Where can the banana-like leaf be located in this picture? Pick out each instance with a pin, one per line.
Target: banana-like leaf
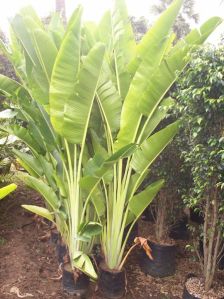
(135, 182)
(109, 100)
(152, 147)
(139, 202)
(48, 171)
(83, 263)
(98, 148)
(30, 163)
(56, 29)
(46, 191)
(11, 87)
(154, 42)
(124, 45)
(29, 11)
(77, 109)
(43, 212)
(146, 92)
(23, 35)
(24, 135)
(98, 201)
(157, 117)
(104, 30)
(151, 51)
(65, 71)
(46, 51)
(97, 167)
(40, 53)
(90, 229)
(4, 191)
(165, 75)
(35, 112)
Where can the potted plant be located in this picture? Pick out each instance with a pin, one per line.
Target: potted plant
(169, 220)
(52, 103)
(132, 86)
(201, 101)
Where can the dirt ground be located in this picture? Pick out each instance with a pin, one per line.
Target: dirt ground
(29, 268)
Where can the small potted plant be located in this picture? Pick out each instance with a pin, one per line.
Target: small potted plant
(168, 212)
(201, 101)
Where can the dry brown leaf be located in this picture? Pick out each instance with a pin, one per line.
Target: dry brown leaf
(144, 244)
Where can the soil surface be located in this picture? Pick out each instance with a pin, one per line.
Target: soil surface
(29, 267)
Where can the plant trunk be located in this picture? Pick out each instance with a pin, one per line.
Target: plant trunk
(211, 239)
(161, 213)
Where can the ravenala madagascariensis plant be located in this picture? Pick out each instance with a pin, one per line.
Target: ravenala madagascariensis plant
(131, 99)
(53, 100)
(88, 102)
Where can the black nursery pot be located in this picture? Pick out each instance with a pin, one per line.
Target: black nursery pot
(179, 230)
(61, 252)
(163, 263)
(196, 217)
(186, 294)
(72, 287)
(111, 283)
(54, 236)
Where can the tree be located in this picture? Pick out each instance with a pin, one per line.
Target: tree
(201, 102)
(182, 23)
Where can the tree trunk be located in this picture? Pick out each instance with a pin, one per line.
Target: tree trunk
(212, 236)
(161, 215)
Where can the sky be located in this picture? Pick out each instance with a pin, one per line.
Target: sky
(93, 9)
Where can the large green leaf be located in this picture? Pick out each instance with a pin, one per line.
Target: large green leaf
(139, 202)
(97, 199)
(165, 75)
(36, 64)
(83, 263)
(66, 68)
(56, 29)
(152, 147)
(22, 33)
(30, 163)
(154, 42)
(97, 167)
(90, 229)
(147, 91)
(30, 109)
(109, 100)
(159, 114)
(46, 51)
(11, 87)
(77, 108)
(4, 191)
(104, 30)
(124, 46)
(43, 212)
(24, 135)
(46, 191)
(29, 11)
(150, 54)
